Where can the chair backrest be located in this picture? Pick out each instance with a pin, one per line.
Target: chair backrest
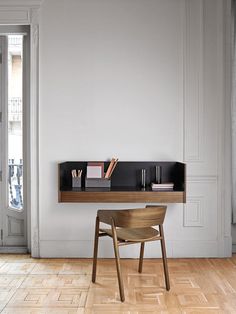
(134, 218)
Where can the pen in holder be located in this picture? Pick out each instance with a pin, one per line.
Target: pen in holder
(158, 173)
(76, 179)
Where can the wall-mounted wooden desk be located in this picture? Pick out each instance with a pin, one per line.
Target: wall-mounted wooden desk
(125, 184)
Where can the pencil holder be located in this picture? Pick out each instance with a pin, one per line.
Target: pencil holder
(76, 182)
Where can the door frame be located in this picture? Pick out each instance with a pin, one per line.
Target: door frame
(26, 12)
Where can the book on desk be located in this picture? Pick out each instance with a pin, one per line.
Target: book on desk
(162, 186)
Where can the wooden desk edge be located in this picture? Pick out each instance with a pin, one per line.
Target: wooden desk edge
(121, 197)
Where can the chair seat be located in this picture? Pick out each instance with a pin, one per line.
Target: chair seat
(134, 234)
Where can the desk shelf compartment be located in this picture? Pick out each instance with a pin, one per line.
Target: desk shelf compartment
(125, 183)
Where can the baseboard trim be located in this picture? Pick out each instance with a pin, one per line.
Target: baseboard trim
(234, 248)
(175, 249)
(13, 249)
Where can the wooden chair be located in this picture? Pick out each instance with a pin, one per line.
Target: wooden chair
(131, 226)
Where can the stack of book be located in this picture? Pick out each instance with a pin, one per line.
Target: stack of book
(163, 186)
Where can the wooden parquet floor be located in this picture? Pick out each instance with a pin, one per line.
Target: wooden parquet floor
(63, 286)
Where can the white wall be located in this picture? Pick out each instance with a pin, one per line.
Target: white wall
(141, 80)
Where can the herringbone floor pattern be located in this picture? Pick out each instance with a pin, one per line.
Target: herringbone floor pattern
(63, 286)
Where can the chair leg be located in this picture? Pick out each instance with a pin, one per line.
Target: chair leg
(140, 266)
(95, 252)
(164, 259)
(117, 256)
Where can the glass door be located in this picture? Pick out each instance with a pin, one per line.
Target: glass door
(12, 207)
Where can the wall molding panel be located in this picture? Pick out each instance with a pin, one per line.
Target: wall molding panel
(193, 92)
(21, 3)
(201, 179)
(18, 12)
(20, 16)
(15, 226)
(200, 216)
(193, 212)
(206, 104)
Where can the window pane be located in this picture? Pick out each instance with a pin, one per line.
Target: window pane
(15, 120)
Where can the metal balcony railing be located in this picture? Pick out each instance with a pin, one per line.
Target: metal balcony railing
(15, 181)
(15, 109)
(15, 40)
